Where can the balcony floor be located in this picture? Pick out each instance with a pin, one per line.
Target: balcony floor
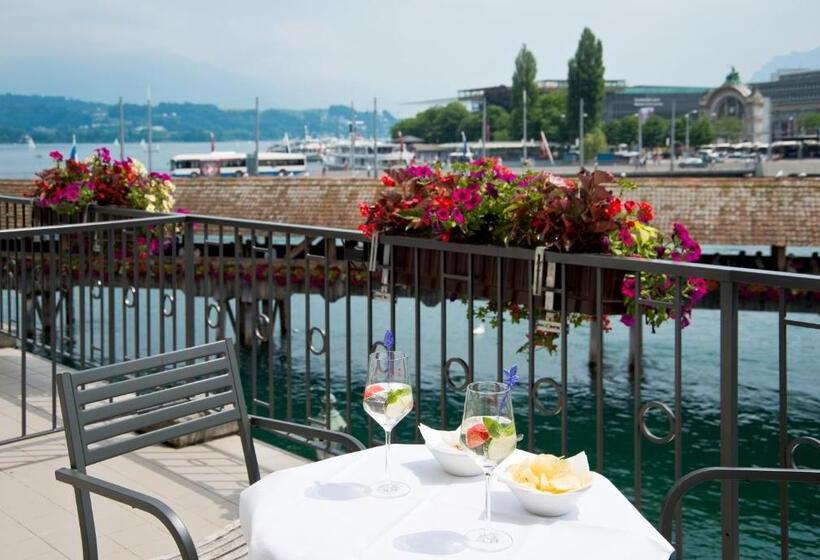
(38, 516)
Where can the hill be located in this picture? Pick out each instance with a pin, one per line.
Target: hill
(807, 60)
(55, 119)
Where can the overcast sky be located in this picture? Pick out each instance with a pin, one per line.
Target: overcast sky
(301, 53)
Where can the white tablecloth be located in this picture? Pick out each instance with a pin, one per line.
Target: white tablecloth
(322, 510)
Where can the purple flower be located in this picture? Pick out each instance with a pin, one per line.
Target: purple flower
(443, 214)
(161, 176)
(492, 192)
(105, 154)
(511, 376)
(511, 379)
(604, 243)
(389, 340)
(627, 319)
(56, 155)
(458, 216)
(660, 251)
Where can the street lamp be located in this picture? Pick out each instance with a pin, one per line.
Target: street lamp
(581, 117)
(695, 112)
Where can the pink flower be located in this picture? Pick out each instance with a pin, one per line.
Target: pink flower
(628, 287)
(443, 214)
(627, 319)
(56, 155)
(473, 201)
(461, 195)
(626, 237)
(458, 216)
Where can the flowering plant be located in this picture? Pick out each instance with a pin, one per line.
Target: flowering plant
(70, 186)
(484, 202)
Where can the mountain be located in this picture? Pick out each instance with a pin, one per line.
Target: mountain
(56, 119)
(807, 60)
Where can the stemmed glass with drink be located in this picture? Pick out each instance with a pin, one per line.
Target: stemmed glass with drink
(488, 434)
(388, 397)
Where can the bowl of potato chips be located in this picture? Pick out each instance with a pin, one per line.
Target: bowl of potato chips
(547, 485)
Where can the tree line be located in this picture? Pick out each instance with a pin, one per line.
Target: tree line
(556, 112)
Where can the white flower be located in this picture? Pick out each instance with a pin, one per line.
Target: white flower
(151, 208)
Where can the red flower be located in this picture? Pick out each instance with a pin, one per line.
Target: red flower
(388, 181)
(646, 213)
(630, 206)
(364, 209)
(614, 207)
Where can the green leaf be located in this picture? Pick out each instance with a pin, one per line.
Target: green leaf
(497, 429)
(396, 394)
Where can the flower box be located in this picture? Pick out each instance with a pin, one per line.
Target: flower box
(483, 202)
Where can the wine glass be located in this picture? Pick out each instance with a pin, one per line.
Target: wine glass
(488, 434)
(388, 398)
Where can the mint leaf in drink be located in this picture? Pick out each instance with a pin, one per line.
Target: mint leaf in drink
(498, 429)
(395, 394)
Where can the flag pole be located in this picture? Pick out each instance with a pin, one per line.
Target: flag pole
(122, 131)
(150, 136)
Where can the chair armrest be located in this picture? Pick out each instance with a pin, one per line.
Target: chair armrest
(694, 478)
(349, 442)
(138, 500)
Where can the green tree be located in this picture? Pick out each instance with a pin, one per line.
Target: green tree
(729, 129)
(548, 115)
(585, 78)
(655, 132)
(594, 144)
(499, 121)
(437, 124)
(523, 80)
(701, 132)
(809, 123)
(623, 130)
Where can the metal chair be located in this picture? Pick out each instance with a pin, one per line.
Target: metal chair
(107, 410)
(708, 474)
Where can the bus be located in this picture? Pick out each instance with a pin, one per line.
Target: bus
(212, 164)
(282, 164)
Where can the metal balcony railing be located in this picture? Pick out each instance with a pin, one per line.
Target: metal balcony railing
(305, 305)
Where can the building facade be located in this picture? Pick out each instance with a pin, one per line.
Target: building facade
(793, 94)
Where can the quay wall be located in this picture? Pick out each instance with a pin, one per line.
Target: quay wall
(731, 211)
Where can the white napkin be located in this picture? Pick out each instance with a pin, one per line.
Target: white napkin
(446, 441)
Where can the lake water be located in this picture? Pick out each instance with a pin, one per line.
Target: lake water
(758, 391)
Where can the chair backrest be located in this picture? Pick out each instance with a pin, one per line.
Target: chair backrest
(112, 410)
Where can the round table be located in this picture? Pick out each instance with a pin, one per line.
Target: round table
(324, 510)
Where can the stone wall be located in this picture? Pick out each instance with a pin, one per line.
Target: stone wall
(747, 211)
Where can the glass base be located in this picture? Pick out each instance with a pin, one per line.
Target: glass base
(488, 540)
(389, 489)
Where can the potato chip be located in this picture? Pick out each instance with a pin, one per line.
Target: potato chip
(548, 473)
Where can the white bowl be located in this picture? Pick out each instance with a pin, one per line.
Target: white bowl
(455, 461)
(545, 504)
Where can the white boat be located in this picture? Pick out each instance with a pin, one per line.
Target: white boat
(388, 154)
(144, 146)
(30, 142)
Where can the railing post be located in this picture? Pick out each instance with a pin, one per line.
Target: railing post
(728, 417)
(189, 283)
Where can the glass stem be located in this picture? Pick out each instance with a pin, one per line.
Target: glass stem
(487, 514)
(387, 455)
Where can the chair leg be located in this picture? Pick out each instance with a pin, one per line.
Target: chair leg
(87, 531)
